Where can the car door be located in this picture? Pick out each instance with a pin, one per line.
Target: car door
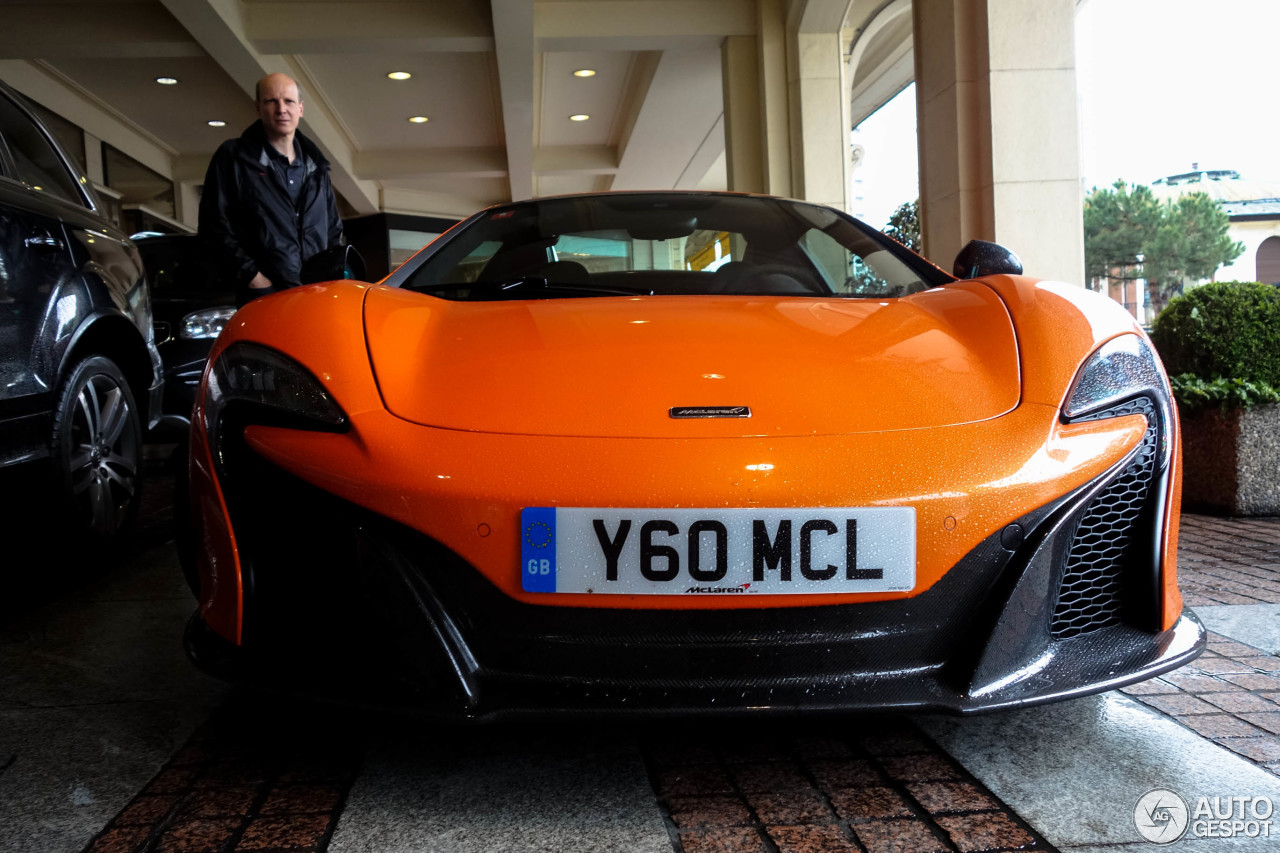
(34, 260)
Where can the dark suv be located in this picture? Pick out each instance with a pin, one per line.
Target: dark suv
(80, 377)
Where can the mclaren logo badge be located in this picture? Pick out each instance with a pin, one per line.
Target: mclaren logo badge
(710, 411)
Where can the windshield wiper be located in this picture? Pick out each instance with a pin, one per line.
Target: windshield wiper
(534, 286)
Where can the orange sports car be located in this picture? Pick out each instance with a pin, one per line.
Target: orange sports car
(647, 453)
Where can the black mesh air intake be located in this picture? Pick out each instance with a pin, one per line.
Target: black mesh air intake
(1092, 593)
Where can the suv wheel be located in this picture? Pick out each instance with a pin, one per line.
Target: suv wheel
(97, 448)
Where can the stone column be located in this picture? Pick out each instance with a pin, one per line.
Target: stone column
(999, 158)
(756, 115)
(819, 131)
(771, 29)
(743, 125)
(93, 158)
(786, 120)
(186, 202)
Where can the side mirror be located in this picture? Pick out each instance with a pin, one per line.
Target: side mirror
(332, 264)
(980, 257)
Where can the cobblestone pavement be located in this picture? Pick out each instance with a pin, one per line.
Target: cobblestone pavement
(1229, 560)
(1231, 694)
(887, 789)
(250, 778)
(256, 778)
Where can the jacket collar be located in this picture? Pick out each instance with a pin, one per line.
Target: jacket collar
(254, 143)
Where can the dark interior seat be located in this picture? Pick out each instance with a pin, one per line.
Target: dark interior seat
(724, 279)
(565, 272)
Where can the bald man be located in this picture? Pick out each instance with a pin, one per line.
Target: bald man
(267, 203)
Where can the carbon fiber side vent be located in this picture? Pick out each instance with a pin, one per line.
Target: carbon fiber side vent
(1091, 595)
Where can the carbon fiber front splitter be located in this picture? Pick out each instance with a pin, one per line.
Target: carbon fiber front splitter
(1081, 666)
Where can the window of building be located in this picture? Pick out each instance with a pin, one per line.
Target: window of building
(405, 243)
(1269, 260)
(142, 190)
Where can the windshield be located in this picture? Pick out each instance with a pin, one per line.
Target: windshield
(628, 244)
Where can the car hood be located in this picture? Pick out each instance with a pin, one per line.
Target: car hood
(616, 366)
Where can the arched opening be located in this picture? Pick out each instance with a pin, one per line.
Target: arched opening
(1269, 260)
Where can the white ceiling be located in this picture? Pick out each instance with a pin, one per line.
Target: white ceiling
(494, 77)
(498, 99)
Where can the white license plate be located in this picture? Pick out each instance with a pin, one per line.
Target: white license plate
(718, 551)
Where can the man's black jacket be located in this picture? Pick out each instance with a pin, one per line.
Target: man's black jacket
(247, 220)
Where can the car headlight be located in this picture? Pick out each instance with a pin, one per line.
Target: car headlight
(1121, 368)
(207, 323)
(262, 386)
(1124, 369)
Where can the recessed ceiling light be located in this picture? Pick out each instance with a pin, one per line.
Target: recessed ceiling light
(167, 81)
(579, 117)
(399, 75)
(419, 119)
(217, 122)
(585, 72)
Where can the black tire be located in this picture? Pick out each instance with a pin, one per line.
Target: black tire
(97, 453)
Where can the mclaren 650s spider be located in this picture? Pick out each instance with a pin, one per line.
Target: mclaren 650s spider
(685, 453)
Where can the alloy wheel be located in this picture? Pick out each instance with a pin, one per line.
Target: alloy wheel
(101, 449)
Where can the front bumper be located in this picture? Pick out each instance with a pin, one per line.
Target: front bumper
(359, 609)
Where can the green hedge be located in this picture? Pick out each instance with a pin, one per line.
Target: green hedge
(1196, 393)
(1221, 342)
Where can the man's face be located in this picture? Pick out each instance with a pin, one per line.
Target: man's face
(279, 107)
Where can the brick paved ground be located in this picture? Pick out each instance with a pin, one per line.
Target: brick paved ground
(1229, 560)
(1231, 694)
(888, 789)
(244, 781)
(248, 781)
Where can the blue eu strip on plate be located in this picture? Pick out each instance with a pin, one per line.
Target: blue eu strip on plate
(538, 549)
